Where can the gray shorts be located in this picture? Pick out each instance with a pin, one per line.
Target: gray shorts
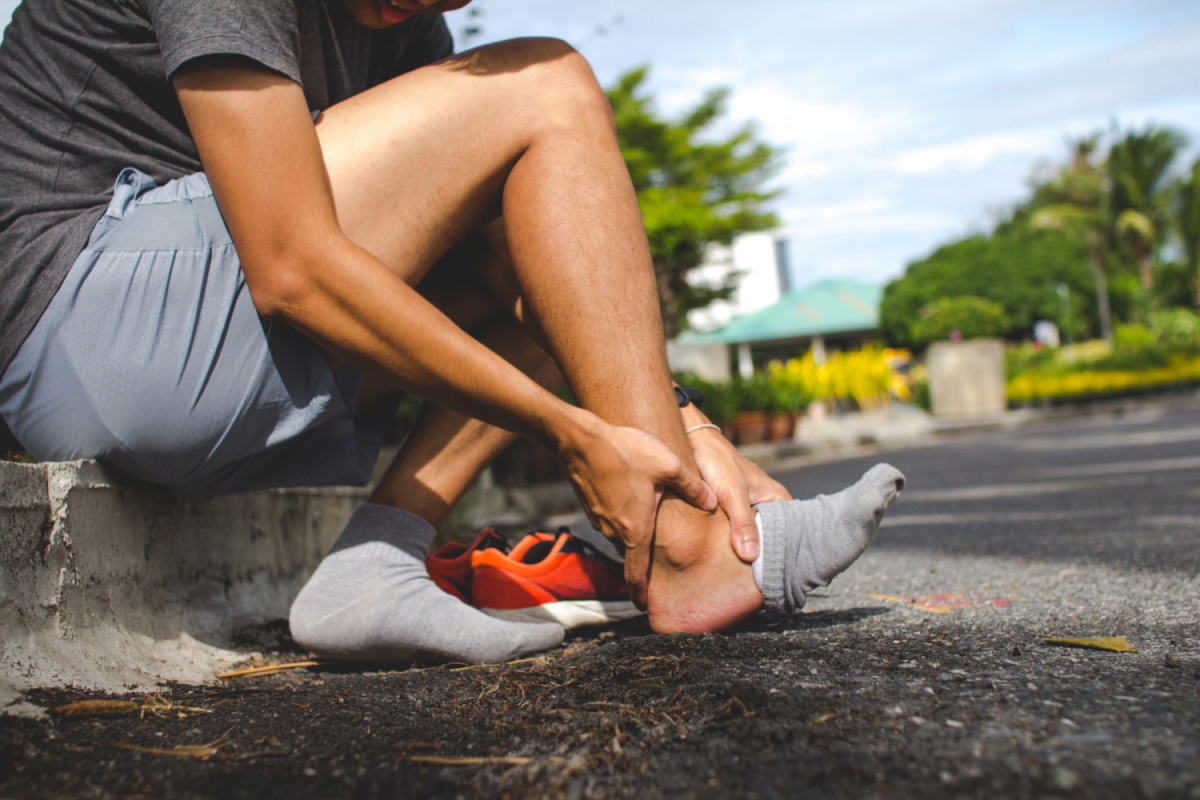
(152, 358)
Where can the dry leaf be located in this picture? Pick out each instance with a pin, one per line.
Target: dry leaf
(464, 761)
(267, 670)
(98, 708)
(1116, 644)
(200, 752)
(823, 718)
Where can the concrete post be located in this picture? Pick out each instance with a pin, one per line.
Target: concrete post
(966, 379)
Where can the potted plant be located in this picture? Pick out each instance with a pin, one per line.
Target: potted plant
(753, 402)
(721, 406)
(790, 393)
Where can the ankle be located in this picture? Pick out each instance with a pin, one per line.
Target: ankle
(685, 536)
(698, 584)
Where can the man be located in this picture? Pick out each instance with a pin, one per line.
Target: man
(316, 207)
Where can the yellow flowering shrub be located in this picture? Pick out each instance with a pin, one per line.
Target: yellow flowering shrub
(1032, 386)
(865, 376)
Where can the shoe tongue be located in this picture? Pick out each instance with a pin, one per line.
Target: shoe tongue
(494, 541)
(538, 552)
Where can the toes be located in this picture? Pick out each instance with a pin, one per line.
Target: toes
(885, 480)
(497, 641)
(533, 638)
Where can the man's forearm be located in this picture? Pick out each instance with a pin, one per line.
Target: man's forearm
(362, 312)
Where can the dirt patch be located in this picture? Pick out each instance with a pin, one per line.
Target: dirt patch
(847, 703)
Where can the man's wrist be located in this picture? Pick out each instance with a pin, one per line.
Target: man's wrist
(569, 431)
(692, 416)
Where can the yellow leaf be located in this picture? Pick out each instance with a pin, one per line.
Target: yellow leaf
(1117, 644)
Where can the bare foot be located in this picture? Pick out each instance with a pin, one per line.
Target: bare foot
(697, 582)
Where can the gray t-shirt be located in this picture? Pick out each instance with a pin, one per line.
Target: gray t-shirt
(85, 91)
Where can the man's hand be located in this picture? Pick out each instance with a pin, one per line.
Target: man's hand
(620, 475)
(738, 482)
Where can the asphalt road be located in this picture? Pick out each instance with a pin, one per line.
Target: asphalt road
(920, 672)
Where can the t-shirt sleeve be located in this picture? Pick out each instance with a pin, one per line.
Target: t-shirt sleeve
(266, 31)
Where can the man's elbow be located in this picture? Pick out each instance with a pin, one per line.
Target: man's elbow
(279, 289)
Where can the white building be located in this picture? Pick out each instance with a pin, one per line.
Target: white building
(761, 263)
(758, 264)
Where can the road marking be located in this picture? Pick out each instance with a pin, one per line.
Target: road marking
(1120, 468)
(1038, 516)
(1000, 516)
(1007, 490)
(1093, 441)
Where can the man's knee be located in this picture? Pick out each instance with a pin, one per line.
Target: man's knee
(554, 78)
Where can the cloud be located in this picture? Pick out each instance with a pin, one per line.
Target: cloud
(974, 153)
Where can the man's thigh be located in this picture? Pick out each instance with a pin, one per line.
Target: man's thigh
(419, 162)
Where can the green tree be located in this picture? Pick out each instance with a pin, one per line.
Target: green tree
(695, 188)
(1139, 166)
(1078, 200)
(1017, 268)
(972, 317)
(1186, 208)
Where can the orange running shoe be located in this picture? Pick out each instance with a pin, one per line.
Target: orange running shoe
(450, 565)
(555, 577)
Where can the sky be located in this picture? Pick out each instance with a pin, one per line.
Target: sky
(906, 123)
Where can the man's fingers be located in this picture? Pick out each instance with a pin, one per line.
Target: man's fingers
(743, 528)
(769, 495)
(767, 491)
(692, 488)
(637, 568)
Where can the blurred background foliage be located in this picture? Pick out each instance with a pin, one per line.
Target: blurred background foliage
(1107, 237)
(695, 186)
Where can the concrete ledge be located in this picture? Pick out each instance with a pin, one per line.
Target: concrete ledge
(112, 586)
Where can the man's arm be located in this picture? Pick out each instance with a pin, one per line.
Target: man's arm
(263, 159)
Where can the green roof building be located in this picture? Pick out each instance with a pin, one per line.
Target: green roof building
(830, 309)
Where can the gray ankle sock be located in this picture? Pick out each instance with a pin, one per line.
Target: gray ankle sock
(805, 543)
(371, 599)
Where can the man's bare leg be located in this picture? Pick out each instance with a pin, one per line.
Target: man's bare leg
(371, 598)
(418, 163)
(446, 451)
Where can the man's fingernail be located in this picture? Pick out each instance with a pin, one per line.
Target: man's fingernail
(711, 502)
(749, 550)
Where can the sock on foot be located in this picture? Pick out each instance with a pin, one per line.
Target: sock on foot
(805, 543)
(371, 599)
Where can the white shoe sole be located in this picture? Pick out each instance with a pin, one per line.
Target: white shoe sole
(570, 613)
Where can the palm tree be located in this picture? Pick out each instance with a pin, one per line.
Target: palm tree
(1078, 198)
(1139, 166)
(1187, 222)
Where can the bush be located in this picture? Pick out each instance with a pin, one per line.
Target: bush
(972, 317)
(792, 388)
(1037, 386)
(720, 402)
(754, 393)
(1175, 326)
(1026, 357)
(1014, 267)
(1133, 336)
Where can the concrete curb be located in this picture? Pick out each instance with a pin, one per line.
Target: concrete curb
(115, 587)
